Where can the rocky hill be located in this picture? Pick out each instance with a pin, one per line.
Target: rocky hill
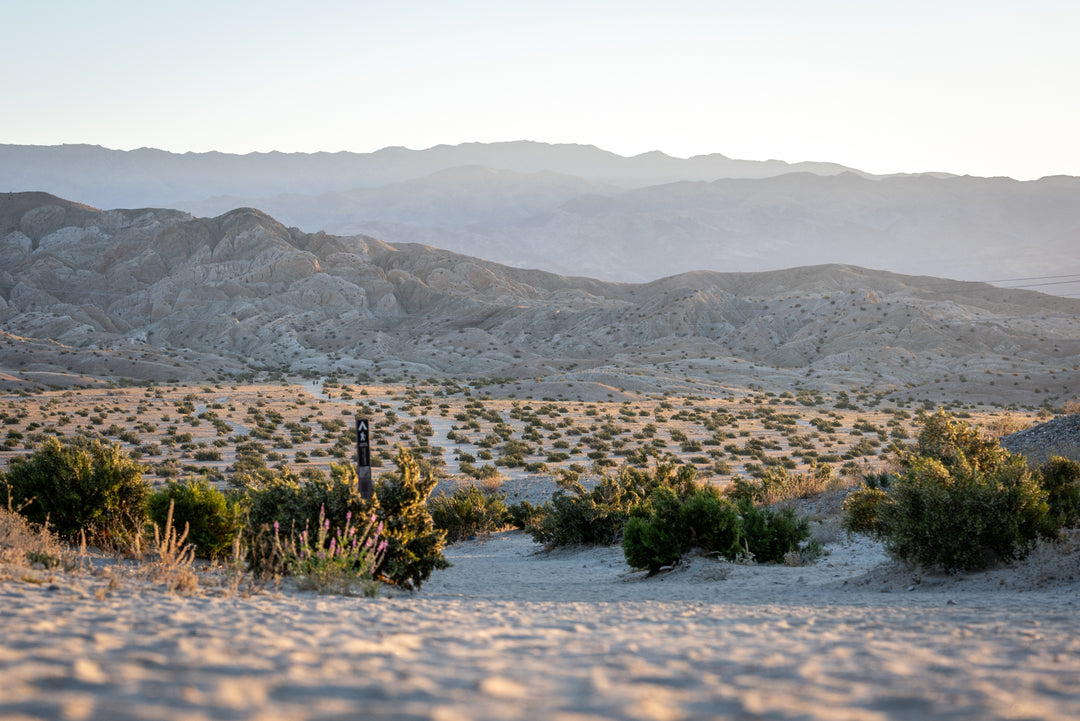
(162, 294)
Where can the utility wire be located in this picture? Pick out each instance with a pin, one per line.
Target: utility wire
(1037, 285)
(1037, 277)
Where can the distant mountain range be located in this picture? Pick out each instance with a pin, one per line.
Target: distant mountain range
(148, 177)
(579, 210)
(162, 294)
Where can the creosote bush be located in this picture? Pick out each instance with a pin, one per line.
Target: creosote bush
(660, 531)
(80, 487)
(213, 518)
(657, 533)
(1060, 478)
(960, 501)
(415, 546)
(770, 534)
(860, 510)
(525, 516)
(597, 516)
(468, 512)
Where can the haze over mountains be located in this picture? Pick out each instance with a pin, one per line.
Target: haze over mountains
(164, 295)
(578, 210)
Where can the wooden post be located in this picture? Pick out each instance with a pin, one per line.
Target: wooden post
(363, 457)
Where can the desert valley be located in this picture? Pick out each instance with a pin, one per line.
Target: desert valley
(210, 336)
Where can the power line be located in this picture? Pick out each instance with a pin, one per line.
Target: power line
(1038, 285)
(1037, 277)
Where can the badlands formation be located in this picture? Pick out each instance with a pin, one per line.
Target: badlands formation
(161, 295)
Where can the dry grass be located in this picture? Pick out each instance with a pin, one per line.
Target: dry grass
(811, 484)
(1004, 425)
(492, 484)
(25, 548)
(32, 554)
(173, 563)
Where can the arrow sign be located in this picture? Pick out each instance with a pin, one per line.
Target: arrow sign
(363, 457)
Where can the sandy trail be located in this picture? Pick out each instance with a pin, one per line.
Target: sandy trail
(508, 634)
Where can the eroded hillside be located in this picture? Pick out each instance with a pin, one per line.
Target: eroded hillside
(161, 294)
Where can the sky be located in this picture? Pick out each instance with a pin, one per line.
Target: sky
(983, 88)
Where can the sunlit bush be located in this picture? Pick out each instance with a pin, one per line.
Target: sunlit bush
(82, 486)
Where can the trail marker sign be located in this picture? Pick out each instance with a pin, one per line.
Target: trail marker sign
(363, 457)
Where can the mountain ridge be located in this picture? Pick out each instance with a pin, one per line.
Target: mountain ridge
(162, 294)
(115, 178)
(581, 210)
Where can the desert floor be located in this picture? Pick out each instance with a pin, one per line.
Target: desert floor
(511, 632)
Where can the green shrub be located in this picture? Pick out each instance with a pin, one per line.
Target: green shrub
(648, 544)
(597, 516)
(212, 518)
(960, 500)
(743, 489)
(525, 516)
(715, 523)
(860, 510)
(1060, 478)
(468, 511)
(295, 502)
(961, 518)
(769, 534)
(658, 533)
(953, 442)
(415, 545)
(81, 486)
(661, 537)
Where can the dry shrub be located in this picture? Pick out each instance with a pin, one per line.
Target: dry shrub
(491, 485)
(1004, 425)
(24, 545)
(779, 485)
(1070, 408)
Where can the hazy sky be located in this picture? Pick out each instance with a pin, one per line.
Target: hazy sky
(982, 87)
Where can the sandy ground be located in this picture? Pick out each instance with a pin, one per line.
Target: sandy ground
(511, 633)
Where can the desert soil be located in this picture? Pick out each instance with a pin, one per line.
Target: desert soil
(511, 632)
